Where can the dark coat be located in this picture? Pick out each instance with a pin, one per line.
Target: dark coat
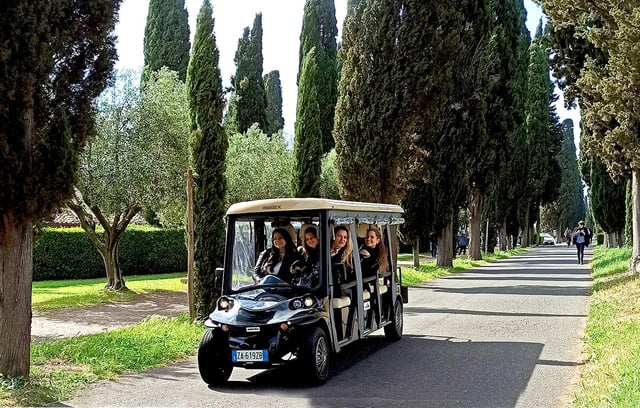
(260, 270)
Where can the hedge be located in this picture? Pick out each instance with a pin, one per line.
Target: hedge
(67, 253)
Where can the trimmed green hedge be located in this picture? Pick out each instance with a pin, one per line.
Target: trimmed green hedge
(67, 253)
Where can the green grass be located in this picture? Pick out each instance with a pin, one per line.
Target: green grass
(60, 368)
(429, 270)
(611, 376)
(48, 295)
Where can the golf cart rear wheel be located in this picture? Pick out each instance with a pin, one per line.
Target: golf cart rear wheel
(393, 331)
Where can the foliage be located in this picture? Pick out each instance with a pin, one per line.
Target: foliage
(307, 147)
(319, 31)
(166, 38)
(543, 134)
(66, 253)
(569, 207)
(273, 91)
(55, 59)
(607, 199)
(208, 144)
(60, 368)
(608, 86)
(258, 166)
(329, 177)
(248, 103)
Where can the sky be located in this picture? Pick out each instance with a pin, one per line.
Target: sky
(281, 23)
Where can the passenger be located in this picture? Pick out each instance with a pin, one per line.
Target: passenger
(278, 259)
(373, 254)
(342, 249)
(307, 273)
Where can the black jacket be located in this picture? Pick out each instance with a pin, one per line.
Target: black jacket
(260, 270)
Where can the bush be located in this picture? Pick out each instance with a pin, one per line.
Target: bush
(67, 253)
(600, 238)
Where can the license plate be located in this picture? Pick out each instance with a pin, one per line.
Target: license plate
(249, 355)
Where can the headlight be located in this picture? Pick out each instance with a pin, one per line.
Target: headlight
(309, 301)
(299, 303)
(224, 303)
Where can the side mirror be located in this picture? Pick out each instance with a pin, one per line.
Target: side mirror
(218, 276)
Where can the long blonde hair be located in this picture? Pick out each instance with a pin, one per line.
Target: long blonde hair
(348, 247)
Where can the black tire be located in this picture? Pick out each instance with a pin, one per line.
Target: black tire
(214, 358)
(315, 356)
(393, 331)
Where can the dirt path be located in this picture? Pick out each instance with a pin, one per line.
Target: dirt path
(105, 317)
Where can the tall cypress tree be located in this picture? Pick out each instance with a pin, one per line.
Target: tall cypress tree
(368, 147)
(504, 65)
(543, 135)
(249, 102)
(273, 91)
(319, 31)
(55, 59)
(208, 146)
(307, 149)
(166, 37)
(570, 198)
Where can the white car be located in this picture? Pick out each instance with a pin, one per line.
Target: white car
(547, 239)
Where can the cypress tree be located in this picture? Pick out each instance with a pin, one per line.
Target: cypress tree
(608, 202)
(273, 91)
(543, 135)
(368, 147)
(570, 199)
(55, 59)
(208, 146)
(504, 66)
(505, 194)
(307, 150)
(319, 30)
(166, 37)
(249, 101)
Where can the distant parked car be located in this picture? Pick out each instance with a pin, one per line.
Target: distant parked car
(547, 239)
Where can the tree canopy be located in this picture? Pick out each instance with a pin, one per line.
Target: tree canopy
(55, 59)
(166, 37)
(208, 144)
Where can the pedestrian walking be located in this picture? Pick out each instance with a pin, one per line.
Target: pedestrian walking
(463, 242)
(567, 236)
(433, 239)
(581, 239)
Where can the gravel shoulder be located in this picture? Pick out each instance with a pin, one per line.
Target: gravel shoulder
(53, 325)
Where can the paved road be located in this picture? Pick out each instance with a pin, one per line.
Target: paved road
(504, 335)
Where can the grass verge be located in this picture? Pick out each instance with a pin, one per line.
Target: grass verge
(611, 377)
(429, 270)
(48, 295)
(58, 369)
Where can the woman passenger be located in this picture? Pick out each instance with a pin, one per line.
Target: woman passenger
(342, 249)
(373, 254)
(308, 275)
(278, 259)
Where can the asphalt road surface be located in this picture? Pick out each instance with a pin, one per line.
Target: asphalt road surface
(508, 334)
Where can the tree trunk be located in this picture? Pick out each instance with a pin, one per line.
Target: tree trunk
(416, 252)
(446, 248)
(108, 249)
(504, 245)
(524, 240)
(607, 240)
(634, 262)
(16, 274)
(474, 251)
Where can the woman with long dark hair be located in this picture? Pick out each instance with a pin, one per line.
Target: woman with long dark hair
(278, 259)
